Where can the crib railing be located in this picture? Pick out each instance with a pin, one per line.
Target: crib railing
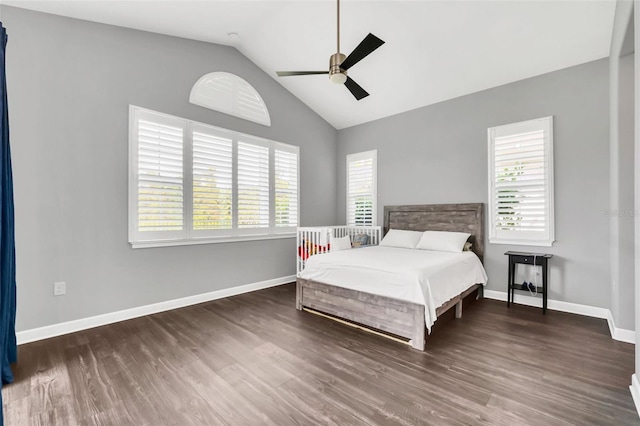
(317, 240)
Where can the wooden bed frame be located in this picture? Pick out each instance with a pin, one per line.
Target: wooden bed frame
(399, 317)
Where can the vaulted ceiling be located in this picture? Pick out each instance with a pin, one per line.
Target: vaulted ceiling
(434, 50)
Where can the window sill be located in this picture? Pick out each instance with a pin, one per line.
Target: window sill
(212, 240)
(521, 242)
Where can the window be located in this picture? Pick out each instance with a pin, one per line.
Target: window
(194, 183)
(253, 186)
(228, 93)
(286, 191)
(212, 174)
(160, 176)
(521, 183)
(361, 188)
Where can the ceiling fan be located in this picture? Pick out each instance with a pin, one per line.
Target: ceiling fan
(339, 63)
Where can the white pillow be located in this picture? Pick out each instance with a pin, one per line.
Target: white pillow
(342, 243)
(443, 241)
(402, 239)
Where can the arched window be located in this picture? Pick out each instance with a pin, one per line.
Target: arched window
(228, 93)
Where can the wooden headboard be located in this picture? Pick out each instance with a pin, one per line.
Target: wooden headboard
(440, 217)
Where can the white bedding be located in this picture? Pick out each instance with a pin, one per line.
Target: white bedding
(426, 277)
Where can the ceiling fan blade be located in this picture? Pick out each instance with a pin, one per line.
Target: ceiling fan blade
(366, 46)
(291, 73)
(355, 89)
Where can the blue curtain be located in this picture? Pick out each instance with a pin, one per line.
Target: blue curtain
(8, 348)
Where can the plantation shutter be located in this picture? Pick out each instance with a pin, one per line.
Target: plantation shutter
(286, 187)
(253, 186)
(521, 173)
(158, 169)
(193, 181)
(361, 189)
(249, 104)
(212, 179)
(226, 92)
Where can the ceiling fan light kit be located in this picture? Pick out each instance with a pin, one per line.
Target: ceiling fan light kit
(339, 63)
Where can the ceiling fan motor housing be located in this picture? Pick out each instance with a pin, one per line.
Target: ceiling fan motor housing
(336, 74)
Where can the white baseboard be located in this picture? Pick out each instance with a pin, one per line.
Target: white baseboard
(620, 334)
(59, 329)
(628, 336)
(635, 392)
(556, 305)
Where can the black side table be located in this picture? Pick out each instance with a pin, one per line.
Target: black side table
(527, 258)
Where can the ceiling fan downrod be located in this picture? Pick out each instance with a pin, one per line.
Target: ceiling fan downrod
(338, 28)
(337, 75)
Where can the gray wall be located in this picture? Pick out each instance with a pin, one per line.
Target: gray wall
(622, 195)
(636, 19)
(621, 162)
(70, 84)
(626, 315)
(438, 154)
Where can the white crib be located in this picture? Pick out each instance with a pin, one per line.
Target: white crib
(316, 240)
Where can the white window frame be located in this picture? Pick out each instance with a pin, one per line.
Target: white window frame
(189, 236)
(373, 154)
(497, 236)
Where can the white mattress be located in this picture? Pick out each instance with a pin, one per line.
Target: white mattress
(426, 277)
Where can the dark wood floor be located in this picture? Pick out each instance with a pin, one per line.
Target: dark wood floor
(253, 360)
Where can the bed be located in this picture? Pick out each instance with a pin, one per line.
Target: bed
(349, 286)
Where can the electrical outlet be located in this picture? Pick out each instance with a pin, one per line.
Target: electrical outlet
(59, 288)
